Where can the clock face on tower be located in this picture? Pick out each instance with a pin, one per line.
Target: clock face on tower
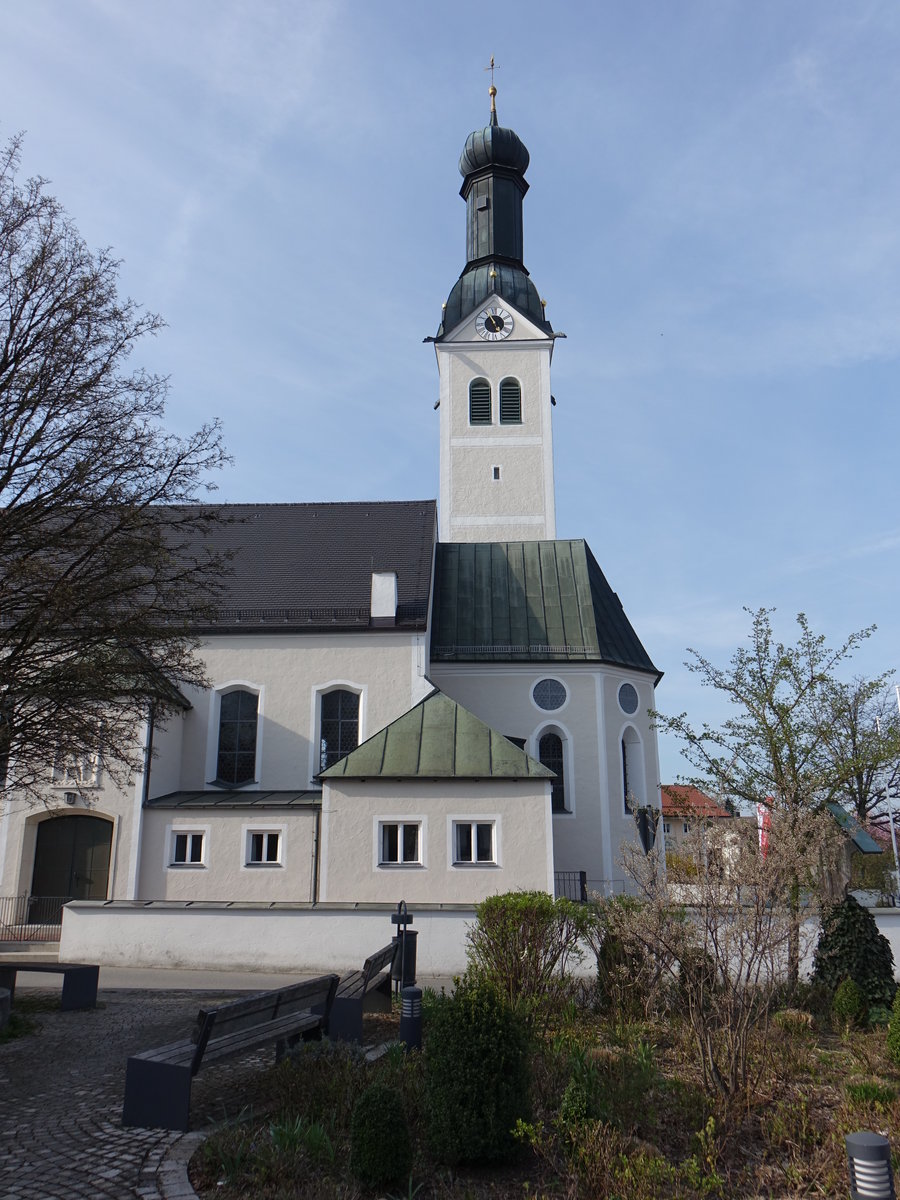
(494, 323)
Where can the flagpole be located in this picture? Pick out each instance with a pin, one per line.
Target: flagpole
(891, 815)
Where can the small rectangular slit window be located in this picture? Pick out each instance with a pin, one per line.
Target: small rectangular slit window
(496, 471)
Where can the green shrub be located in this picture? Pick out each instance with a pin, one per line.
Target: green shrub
(850, 947)
(521, 943)
(477, 1080)
(380, 1146)
(893, 1034)
(849, 1004)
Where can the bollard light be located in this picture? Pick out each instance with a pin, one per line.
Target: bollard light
(869, 1162)
(411, 1018)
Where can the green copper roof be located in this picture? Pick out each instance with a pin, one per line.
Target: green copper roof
(529, 602)
(438, 739)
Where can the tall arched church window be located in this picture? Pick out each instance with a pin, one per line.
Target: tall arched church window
(550, 753)
(339, 733)
(633, 787)
(479, 402)
(510, 402)
(236, 756)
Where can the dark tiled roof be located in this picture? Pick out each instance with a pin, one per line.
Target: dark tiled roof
(529, 602)
(237, 799)
(438, 739)
(309, 566)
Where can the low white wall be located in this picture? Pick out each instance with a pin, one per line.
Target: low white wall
(291, 937)
(888, 922)
(256, 937)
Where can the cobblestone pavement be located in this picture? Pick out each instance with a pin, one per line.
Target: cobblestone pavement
(61, 1091)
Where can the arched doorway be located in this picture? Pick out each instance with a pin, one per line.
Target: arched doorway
(71, 857)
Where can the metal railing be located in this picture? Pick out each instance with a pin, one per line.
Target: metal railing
(31, 918)
(578, 885)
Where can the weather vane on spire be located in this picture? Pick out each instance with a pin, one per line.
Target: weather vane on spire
(492, 91)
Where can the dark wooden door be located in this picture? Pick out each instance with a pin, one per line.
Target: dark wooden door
(71, 858)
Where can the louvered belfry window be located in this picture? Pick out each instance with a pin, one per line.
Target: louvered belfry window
(479, 402)
(510, 402)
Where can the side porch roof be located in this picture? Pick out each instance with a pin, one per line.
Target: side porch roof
(438, 739)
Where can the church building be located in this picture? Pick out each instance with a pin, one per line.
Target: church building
(433, 701)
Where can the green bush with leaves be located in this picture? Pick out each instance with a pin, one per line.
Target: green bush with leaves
(849, 1008)
(477, 1075)
(850, 947)
(893, 1034)
(380, 1145)
(521, 943)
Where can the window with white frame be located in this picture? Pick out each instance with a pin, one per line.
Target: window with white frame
(187, 848)
(474, 842)
(400, 843)
(263, 848)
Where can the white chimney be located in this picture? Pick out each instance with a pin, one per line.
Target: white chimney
(384, 598)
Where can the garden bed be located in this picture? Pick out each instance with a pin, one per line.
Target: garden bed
(618, 1110)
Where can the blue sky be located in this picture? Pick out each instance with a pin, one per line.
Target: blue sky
(714, 219)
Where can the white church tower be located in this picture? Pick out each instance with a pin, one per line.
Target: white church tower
(493, 350)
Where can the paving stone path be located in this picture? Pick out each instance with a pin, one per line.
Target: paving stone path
(61, 1090)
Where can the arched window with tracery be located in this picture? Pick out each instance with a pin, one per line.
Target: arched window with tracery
(339, 726)
(551, 755)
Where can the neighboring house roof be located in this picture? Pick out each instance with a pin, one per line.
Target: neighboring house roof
(849, 824)
(679, 800)
(528, 602)
(236, 799)
(438, 739)
(309, 566)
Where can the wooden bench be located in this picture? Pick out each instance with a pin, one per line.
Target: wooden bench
(158, 1082)
(368, 989)
(79, 989)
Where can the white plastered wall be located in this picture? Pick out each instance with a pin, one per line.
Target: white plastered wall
(387, 669)
(224, 873)
(352, 810)
(590, 835)
(474, 505)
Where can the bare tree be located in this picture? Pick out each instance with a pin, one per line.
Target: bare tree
(860, 728)
(720, 942)
(777, 747)
(104, 566)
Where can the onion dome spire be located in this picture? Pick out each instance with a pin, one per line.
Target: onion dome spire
(493, 165)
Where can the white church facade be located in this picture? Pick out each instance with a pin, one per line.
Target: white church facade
(433, 702)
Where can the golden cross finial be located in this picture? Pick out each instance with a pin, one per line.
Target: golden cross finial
(492, 91)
